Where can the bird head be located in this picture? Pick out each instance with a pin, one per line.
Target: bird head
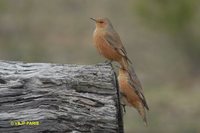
(102, 22)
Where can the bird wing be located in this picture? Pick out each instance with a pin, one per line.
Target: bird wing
(135, 83)
(114, 41)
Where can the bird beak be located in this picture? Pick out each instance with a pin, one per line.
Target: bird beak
(93, 19)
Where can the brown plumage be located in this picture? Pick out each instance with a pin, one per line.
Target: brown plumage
(109, 45)
(132, 93)
(108, 42)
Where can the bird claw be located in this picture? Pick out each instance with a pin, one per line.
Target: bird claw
(124, 108)
(109, 62)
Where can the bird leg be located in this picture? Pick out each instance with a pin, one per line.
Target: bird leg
(122, 102)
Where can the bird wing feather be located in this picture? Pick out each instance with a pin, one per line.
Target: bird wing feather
(114, 41)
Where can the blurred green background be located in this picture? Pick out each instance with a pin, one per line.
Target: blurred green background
(162, 38)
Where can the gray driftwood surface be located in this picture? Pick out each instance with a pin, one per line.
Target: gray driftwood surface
(63, 98)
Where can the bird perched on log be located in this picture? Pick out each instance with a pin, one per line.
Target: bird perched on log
(132, 93)
(108, 42)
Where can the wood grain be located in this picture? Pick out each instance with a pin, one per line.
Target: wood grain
(63, 98)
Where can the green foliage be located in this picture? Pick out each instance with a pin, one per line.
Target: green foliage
(2, 5)
(176, 17)
(169, 14)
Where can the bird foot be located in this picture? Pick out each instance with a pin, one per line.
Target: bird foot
(109, 62)
(124, 108)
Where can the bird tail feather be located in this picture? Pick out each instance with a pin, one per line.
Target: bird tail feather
(142, 113)
(124, 63)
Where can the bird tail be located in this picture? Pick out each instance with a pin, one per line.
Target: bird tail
(125, 63)
(141, 110)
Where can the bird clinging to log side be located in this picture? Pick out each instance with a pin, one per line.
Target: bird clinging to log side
(132, 93)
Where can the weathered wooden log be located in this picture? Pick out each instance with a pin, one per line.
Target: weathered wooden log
(49, 98)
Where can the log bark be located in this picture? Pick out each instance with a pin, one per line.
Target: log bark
(60, 97)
